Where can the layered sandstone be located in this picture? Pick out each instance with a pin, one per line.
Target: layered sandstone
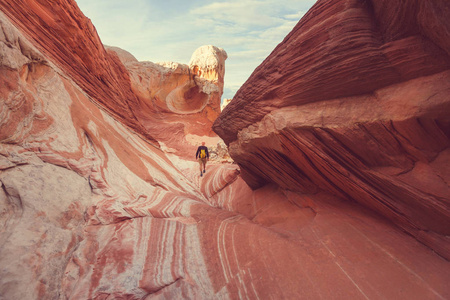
(147, 97)
(69, 39)
(92, 209)
(177, 100)
(355, 101)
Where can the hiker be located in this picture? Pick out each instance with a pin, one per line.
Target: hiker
(202, 155)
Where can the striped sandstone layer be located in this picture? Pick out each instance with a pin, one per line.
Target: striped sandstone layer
(355, 101)
(152, 99)
(90, 209)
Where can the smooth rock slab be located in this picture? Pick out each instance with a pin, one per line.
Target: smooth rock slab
(42, 219)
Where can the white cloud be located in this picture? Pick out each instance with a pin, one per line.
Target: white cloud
(157, 31)
(297, 16)
(243, 13)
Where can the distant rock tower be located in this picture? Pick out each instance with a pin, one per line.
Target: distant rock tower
(208, 62)
(208, 68)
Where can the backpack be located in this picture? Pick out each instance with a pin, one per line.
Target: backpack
(202, 153)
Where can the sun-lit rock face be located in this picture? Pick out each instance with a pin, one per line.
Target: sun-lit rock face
(152, 99)
(179, 88)
(91, 209)
(175, 99)
(355, 101)
(208, 65)
(64, 34)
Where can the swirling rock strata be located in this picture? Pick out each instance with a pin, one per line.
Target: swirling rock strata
(176, 100)
(66, 36)
(147, 97)
(355, 101)
(90, 209)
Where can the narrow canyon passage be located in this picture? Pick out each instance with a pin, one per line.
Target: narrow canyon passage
(339, 187)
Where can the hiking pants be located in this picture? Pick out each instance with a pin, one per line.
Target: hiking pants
(202, 161)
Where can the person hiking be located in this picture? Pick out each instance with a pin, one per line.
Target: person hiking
(203, 156)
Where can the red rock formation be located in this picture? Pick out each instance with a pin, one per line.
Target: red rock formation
(355, 101)
(66, 36)
(69, 39)
(89, 209)
(176, 100)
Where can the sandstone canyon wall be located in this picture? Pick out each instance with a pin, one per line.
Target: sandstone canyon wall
(355, 101)
(122, 85)
(98, 202)
(178, 103)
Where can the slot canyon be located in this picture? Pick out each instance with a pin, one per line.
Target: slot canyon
(328, 176)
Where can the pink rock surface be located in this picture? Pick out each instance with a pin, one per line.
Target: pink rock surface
(69, 39)
(177, 100)
(355, 102)
(91, 209)
(343, 48)
(147, 97)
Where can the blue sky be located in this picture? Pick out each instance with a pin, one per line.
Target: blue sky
(171, 30)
